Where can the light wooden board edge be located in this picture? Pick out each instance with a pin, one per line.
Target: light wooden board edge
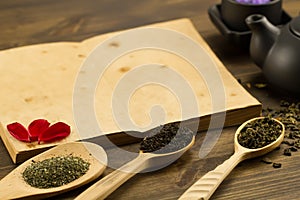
(233, 117)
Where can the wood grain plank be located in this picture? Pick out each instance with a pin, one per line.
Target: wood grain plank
(25, 22)
(31, 22)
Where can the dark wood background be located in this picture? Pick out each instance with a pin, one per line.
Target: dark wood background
(25, 22)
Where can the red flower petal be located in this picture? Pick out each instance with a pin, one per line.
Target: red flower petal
(55, 132)
(37, 127)
(18, 131)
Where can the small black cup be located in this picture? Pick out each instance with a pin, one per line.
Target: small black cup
(234, 13)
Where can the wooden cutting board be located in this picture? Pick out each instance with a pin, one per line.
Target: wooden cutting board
(38, 82)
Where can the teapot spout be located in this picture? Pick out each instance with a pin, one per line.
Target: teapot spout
(264, 35)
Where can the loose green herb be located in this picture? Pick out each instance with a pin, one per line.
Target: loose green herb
(259, 133)
(167, 138)
(55, 171)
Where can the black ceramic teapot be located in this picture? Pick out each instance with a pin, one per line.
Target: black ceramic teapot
(277, 51)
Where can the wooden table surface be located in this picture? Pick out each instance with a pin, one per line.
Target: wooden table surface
(25, 22)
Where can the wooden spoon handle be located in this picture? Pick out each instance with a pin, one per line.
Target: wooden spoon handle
(206, 186)
(108, 184)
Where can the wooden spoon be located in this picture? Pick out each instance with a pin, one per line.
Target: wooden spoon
(13, 185)
(111, 182)
(205, 187)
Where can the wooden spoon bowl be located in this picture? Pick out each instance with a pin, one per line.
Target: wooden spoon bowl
(13, 185)
(144, 161)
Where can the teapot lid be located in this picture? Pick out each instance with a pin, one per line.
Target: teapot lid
(295, 26)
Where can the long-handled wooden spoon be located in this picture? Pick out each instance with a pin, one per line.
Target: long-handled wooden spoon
(205, 187)
(13, 185)
(112, 181)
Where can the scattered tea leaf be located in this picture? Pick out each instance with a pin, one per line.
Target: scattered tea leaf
(287, 152)
(293, 149)
(266, 160)
(260, 85)
(289, 114)
(277, 165)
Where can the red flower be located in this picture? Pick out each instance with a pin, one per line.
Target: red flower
(18, 131)
(36, 128)
(57, 131)
(39, 130)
